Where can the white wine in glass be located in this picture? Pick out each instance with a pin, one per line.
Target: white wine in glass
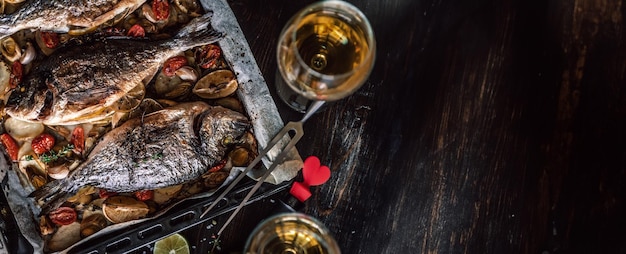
(325, 53)
(291, 233)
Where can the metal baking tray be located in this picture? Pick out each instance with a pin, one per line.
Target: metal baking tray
(140, 237)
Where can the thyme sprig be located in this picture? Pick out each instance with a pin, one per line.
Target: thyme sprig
(52, 156)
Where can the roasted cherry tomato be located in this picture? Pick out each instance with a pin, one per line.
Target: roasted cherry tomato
(171, 65)
(144, 195)
(16, 74)
(136, 31)
(102, 193)
(63, 216)
(207, 56)
(217, 167)
(42, 143)
(11, 146)
(161, 9)
(78, 139)
(51, 40)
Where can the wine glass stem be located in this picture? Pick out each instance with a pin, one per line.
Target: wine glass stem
(312, 109)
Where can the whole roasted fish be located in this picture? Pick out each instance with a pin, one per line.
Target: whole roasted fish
(71, 16)
(81, 84)
(164, 148)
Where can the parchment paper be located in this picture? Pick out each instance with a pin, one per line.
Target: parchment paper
(253, 91)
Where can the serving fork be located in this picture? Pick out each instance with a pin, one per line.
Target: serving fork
(291, 128)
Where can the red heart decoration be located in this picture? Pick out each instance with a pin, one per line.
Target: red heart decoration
(314, 174)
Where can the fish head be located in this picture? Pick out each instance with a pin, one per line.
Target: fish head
(30, 101)
(219, 128)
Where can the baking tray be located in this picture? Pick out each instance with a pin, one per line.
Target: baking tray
(260, 107)
(141, 237)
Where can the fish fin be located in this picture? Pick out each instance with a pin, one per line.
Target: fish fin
(198, 32)
(55, 202)
(6, 27)
(54, 194)
(46, 190)
(149, 78)
(80, 31)
(109, 18)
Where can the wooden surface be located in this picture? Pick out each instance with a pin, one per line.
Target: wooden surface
(486, 126)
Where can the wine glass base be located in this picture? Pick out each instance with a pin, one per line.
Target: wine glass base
(302, 104)
(297, 103)
(292, 99)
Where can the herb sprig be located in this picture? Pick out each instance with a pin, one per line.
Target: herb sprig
(52, 156)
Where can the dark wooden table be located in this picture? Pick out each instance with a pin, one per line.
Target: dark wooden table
(486, 126)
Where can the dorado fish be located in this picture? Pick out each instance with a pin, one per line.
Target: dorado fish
(82, 83)
(164, 148)
(71, 16)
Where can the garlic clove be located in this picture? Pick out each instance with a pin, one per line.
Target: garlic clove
(29, 54)
(10, 49)
(58, 172)
(187, 73)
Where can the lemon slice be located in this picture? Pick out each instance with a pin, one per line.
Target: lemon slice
(215, 85)
(146, 106)
(130, 100)
(118, 209)
(173, 244)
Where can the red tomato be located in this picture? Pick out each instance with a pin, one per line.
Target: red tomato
(102, 193)
(144, 195)
(11, 146)
(51, 40)
(136, 31)
(42, 143)
(78, 139)
(63, 216)
(218, 166)
(16, 74)
(208, 55)
(171, 65)
(161, 9)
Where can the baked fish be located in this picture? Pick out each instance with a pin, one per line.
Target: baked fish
(66, 16)
(164, 148)
(82, 83)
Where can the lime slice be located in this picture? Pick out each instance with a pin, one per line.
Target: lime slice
(173, 244)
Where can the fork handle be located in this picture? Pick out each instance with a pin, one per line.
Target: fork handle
(291, 126)
(312, 109)
(281, 134)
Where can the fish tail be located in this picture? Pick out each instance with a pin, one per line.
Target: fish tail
(54, 194)
(197, 32)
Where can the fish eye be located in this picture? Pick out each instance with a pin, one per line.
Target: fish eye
(227, 140)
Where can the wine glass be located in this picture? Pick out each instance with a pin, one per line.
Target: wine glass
(291, 233)
(325, 52)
